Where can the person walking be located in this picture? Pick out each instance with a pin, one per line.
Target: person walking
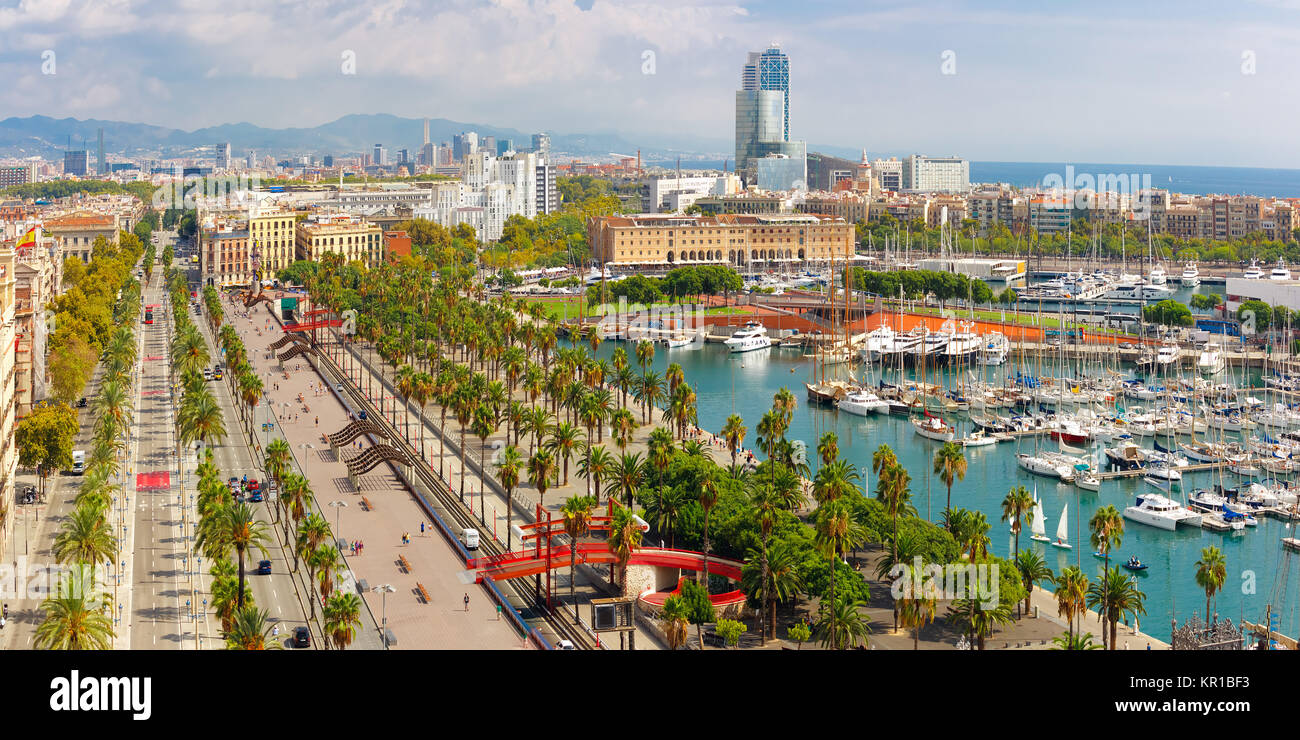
(467, 602)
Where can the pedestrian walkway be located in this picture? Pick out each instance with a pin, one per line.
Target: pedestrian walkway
(426, 566)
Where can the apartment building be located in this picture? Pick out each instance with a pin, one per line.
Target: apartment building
(225, 258)
(8, 377)
(38, 271)
(353, 238)
(674, 240)
(273, 234)
(77, 233)
(936, 174)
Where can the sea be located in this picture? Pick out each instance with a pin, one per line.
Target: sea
(1192, 180)
(1260, 571)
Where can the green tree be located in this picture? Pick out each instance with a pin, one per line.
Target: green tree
(44, 438)
(1211, 572)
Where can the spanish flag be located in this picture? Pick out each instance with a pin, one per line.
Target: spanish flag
(28, 239)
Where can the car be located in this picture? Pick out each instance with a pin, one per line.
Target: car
(361, 415)
(252, 485)
(255, 497)
(207, 374)
(338, 387)
(301, 637)
(264, 567)
(217, 375)
(565, 645)
(81, 402)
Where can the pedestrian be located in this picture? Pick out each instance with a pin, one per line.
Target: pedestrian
(467, 601)
(318, 421)
(275, 631)
(421, 529)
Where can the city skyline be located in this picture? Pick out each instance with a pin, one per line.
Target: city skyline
(1121, 84)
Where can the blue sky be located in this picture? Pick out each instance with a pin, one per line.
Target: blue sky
(1089, 82)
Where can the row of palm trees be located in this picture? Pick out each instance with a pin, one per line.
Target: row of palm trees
(234, 525)
(78, 615)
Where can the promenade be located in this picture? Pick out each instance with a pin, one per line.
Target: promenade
(444, 623)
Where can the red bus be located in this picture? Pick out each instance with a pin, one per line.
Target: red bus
(148, 317)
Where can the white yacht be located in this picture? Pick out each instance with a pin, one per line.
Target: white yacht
(1039, 465)
(1280, 273)
(863, 403)
(1158, 276)
(879, 344)
(995, 349)
(1135, 291)
(1210, 361)
(1191, 276)
(1168, 354)
(1253, 272)
(1160, 511)
(750, 337)
(677, 341)
(932, 427)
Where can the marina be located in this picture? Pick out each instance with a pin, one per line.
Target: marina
(1043, 417)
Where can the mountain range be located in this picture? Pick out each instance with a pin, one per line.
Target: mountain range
(352, 134)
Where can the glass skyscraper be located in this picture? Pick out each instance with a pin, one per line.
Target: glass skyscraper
(770, 70)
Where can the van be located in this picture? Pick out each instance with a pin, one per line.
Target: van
(470, 538)
(78, 462)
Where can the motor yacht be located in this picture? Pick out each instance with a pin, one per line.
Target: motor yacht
(750, 337)
(1160, 511)
(863, 403)
(1253, 272)
(1280, 273)
(1191, 276)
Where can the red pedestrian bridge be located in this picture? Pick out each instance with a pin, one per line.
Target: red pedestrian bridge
(529, 562)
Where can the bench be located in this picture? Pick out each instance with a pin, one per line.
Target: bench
(406, 565)
(366, 503)
(419, 588)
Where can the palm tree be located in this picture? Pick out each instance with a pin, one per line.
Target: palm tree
(250, 630)
(841, 625)
(1107, 527)
(664, 508)
(565, 438)
(1211, 572)
(594, 465)
(918, 609)
(950, 466)
(1018, 504)
(734, 433)
(673, 620)
(577, 520)
(893, 487)
(508, 474)
(624, 538)
(235, 526)
(828, 447)
(622, 424)
(1116, 594)
(836, 533)
(774, 579)
(1071, 590)
(541, 468)
(1032, 569)
(626, 475)
(708, 498)
(538, 424)
(75, 619)
(342, 618)
(85, 537)
(659, 451)
(483, 427)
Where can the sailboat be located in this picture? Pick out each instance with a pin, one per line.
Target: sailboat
(1038, 527)
(1062, 530)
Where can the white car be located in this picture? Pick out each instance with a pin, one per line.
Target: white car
(565, 645)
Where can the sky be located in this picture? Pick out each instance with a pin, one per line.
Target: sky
(1191, 82)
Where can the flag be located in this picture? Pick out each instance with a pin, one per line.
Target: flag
(28, 239)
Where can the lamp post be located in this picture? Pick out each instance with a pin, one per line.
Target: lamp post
(384, 589)
(338, 507)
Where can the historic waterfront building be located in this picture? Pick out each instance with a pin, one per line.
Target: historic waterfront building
(730, 239)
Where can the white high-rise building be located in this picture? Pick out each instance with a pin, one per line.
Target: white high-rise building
(936, 174)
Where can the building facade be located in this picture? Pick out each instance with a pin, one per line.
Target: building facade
(77, 233)
(673, 240)
(936, 174)
(353, 238)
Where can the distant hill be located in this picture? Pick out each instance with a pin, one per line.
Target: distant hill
(48, 137)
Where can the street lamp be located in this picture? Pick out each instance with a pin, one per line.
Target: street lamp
(384, 589)
(338, 507)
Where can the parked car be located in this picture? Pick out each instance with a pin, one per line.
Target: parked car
(301, 637)
(264, 567)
